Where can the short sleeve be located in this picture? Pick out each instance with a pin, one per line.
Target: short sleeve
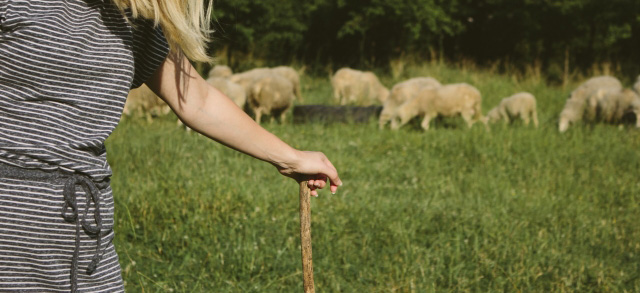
(150, 49)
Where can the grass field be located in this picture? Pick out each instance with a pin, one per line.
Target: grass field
(516, 209)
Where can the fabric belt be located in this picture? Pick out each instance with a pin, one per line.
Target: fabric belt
(70, 208)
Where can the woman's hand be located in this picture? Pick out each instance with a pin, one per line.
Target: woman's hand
(314, 167)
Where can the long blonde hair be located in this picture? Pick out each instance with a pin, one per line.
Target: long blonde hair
(185, 23)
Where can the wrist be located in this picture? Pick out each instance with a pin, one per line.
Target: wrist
(286, 159)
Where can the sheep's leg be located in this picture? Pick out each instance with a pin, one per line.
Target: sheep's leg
(283, 116)
(258, 112)
(425, 122)
(534, 116)
(525, 118)
(336, 92)
(468, 117)
(345, 95)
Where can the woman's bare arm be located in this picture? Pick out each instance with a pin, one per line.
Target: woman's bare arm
(209, 112)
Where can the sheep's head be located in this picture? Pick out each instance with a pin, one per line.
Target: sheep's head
(493, 115)
(577, 94)
(564, 124)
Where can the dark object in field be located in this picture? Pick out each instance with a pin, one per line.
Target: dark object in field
(331, 114)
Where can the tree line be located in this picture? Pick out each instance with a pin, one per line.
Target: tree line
(554, 36)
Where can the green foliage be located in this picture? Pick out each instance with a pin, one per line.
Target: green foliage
(372, 32)
(516, 209)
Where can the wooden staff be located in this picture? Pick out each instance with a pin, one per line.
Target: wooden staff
(305, 237)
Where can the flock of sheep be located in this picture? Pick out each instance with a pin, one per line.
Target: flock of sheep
(272, 91)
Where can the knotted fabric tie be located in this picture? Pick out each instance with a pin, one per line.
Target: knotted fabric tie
(70, 208)
(70, 214)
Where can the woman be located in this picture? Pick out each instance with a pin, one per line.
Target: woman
(66, 67)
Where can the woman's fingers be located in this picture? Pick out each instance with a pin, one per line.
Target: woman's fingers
(333, 176)
(316, 168)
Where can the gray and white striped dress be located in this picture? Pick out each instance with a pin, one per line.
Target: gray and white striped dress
(66, 67)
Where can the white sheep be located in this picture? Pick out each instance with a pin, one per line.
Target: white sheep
(583, 100)
(402, 92)
(272, 95)
(449, 100)
(521, 105)
(292, 75)
(358, 87)
(231, 89)
(220, 71)
(143, 101)
(615, 105)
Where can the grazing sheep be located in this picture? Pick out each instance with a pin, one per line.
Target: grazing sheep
(143, 101)
(616, 105)
(584, 101)
(272, 95)
(292, 75)
(220, 71)
(232, 90)
(403, 92)
(358, 87)
(571, 113)
(521, 105)
(449, 100)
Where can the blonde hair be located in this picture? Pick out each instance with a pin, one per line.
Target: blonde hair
(185, 23)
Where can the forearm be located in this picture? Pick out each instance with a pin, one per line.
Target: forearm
(209, 112)
(217, 117)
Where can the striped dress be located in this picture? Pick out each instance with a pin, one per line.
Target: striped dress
(66, 67)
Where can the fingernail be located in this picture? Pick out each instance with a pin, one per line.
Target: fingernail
(333, 192)
(340, 184)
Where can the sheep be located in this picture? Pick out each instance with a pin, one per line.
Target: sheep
(292, 75)
(358, 87)
(401, 93)
(144, 102)
(615, 105)
(220, 71)
(584, 101)
(448, 100)
(571, 113)
(271, 94)
(232, 90)
(521, 105)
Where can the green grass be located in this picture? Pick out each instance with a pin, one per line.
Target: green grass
(452, 209)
